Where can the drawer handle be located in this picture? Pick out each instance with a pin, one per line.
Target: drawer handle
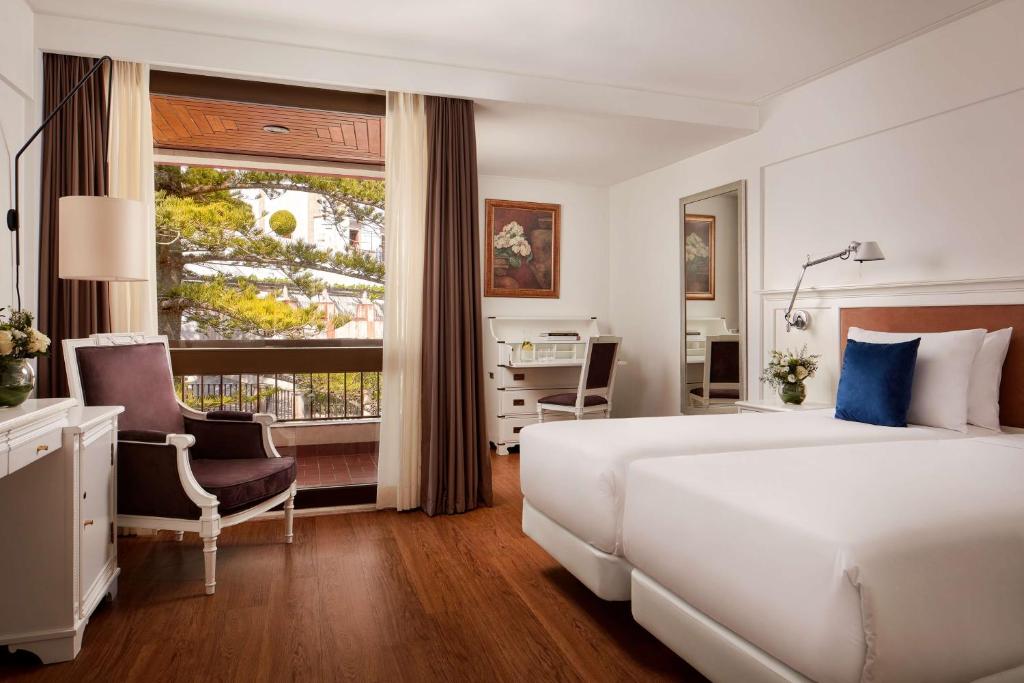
(89, 522)
(519, 402)
(42, 447)
(519, 376)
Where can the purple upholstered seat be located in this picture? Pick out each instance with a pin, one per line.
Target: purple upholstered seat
(240, 483)
(570, 400)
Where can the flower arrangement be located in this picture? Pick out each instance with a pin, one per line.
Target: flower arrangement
(511, 244)
(787, 372)
(18, 339)
(695, 248)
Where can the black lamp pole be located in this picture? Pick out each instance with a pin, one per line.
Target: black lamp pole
(13, 219)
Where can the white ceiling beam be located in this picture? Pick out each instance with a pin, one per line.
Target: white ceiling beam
(203, 52)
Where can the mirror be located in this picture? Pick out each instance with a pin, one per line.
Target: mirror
(712, 258)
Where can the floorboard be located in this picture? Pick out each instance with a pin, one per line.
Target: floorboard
(376, 596)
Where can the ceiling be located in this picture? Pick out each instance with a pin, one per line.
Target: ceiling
(188, 123)
(587, 148)
(593, 91)
(736, 50)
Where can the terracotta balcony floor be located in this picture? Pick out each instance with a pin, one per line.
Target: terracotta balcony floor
(335, 469)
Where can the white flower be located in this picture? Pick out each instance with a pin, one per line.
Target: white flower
(17, 334)
(801, 372)
(791, 379)
(695, 247)
(6, 343)
(522, 248)
(37, 341)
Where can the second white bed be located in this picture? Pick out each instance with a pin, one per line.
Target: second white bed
(847, 563)
(573, 474)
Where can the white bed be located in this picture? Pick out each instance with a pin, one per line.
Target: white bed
(573, 474)
(894, 562)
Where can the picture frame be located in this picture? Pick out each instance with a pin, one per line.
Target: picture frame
(699, 257)
(522, 249)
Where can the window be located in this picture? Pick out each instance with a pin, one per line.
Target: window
(251, 254)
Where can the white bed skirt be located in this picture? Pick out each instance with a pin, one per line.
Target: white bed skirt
(706, 645)
(606, 575)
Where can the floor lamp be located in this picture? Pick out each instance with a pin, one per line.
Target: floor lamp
(100, 238)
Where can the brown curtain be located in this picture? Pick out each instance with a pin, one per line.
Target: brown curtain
(456, 466)
(72, 164)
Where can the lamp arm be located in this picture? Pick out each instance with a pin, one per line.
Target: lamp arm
(796, 290)
(13, 219)
(845, 253)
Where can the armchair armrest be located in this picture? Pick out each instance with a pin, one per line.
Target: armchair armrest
(154, 476)
(230, 434)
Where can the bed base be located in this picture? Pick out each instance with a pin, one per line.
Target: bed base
(606, 575)
(706, 645)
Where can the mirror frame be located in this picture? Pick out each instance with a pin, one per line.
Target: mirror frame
(740, 188)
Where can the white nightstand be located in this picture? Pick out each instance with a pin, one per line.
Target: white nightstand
(775, 405)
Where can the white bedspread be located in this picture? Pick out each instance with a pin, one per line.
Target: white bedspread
(574, 472)
(877, 562)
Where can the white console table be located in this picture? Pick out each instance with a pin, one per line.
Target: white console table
(58, 503)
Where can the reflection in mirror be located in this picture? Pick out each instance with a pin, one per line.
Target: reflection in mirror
(714, 300)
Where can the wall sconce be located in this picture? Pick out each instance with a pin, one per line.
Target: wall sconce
(860, 251)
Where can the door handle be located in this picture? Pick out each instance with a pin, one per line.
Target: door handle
(89, 522)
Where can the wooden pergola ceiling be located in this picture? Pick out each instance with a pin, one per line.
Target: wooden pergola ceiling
(210, 125)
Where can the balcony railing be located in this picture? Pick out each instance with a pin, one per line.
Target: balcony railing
(294, 380)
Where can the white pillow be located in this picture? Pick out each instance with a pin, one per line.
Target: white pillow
(942, 375)
(983, 394)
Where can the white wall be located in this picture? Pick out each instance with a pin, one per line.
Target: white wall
(584, 247)
(919, 147)
(16, 97)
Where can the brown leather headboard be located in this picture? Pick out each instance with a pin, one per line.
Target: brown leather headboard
(945, 319)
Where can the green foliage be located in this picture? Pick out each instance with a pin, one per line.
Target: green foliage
(283, 223)
(235, 307)
(202, 221)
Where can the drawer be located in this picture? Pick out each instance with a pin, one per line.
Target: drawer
(34, 446)
(524, 401)
(509, 427)
(535, 378)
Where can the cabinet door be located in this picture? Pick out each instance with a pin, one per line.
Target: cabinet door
(96, 517)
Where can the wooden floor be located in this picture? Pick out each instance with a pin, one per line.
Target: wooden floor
(375, 596)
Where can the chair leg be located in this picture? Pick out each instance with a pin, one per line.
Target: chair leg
(210, 558)
(289, 515)
(179, 536)
(540, 414)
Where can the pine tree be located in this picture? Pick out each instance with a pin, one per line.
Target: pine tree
(202, 221)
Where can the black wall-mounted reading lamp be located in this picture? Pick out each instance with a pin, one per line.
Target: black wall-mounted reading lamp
(100, 238)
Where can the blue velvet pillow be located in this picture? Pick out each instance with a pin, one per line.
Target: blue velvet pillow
(876, 381)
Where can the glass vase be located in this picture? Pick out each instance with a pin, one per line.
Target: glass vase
(17, 380)
(793, 393)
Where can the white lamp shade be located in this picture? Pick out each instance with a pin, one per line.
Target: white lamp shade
(102, 238)
(869, 251)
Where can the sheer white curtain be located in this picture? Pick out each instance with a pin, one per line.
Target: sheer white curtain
(133, 304)
(405, 179)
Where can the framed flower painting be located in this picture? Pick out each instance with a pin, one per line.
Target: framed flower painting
(699, 251)
(522, 250)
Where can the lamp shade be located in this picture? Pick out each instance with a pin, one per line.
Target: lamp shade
(102, 238)
(869, 251)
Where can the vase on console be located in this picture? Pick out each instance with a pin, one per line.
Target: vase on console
(793, 393)
(19, 342)
(17, 380)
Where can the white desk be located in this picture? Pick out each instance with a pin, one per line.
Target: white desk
(58, 503)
